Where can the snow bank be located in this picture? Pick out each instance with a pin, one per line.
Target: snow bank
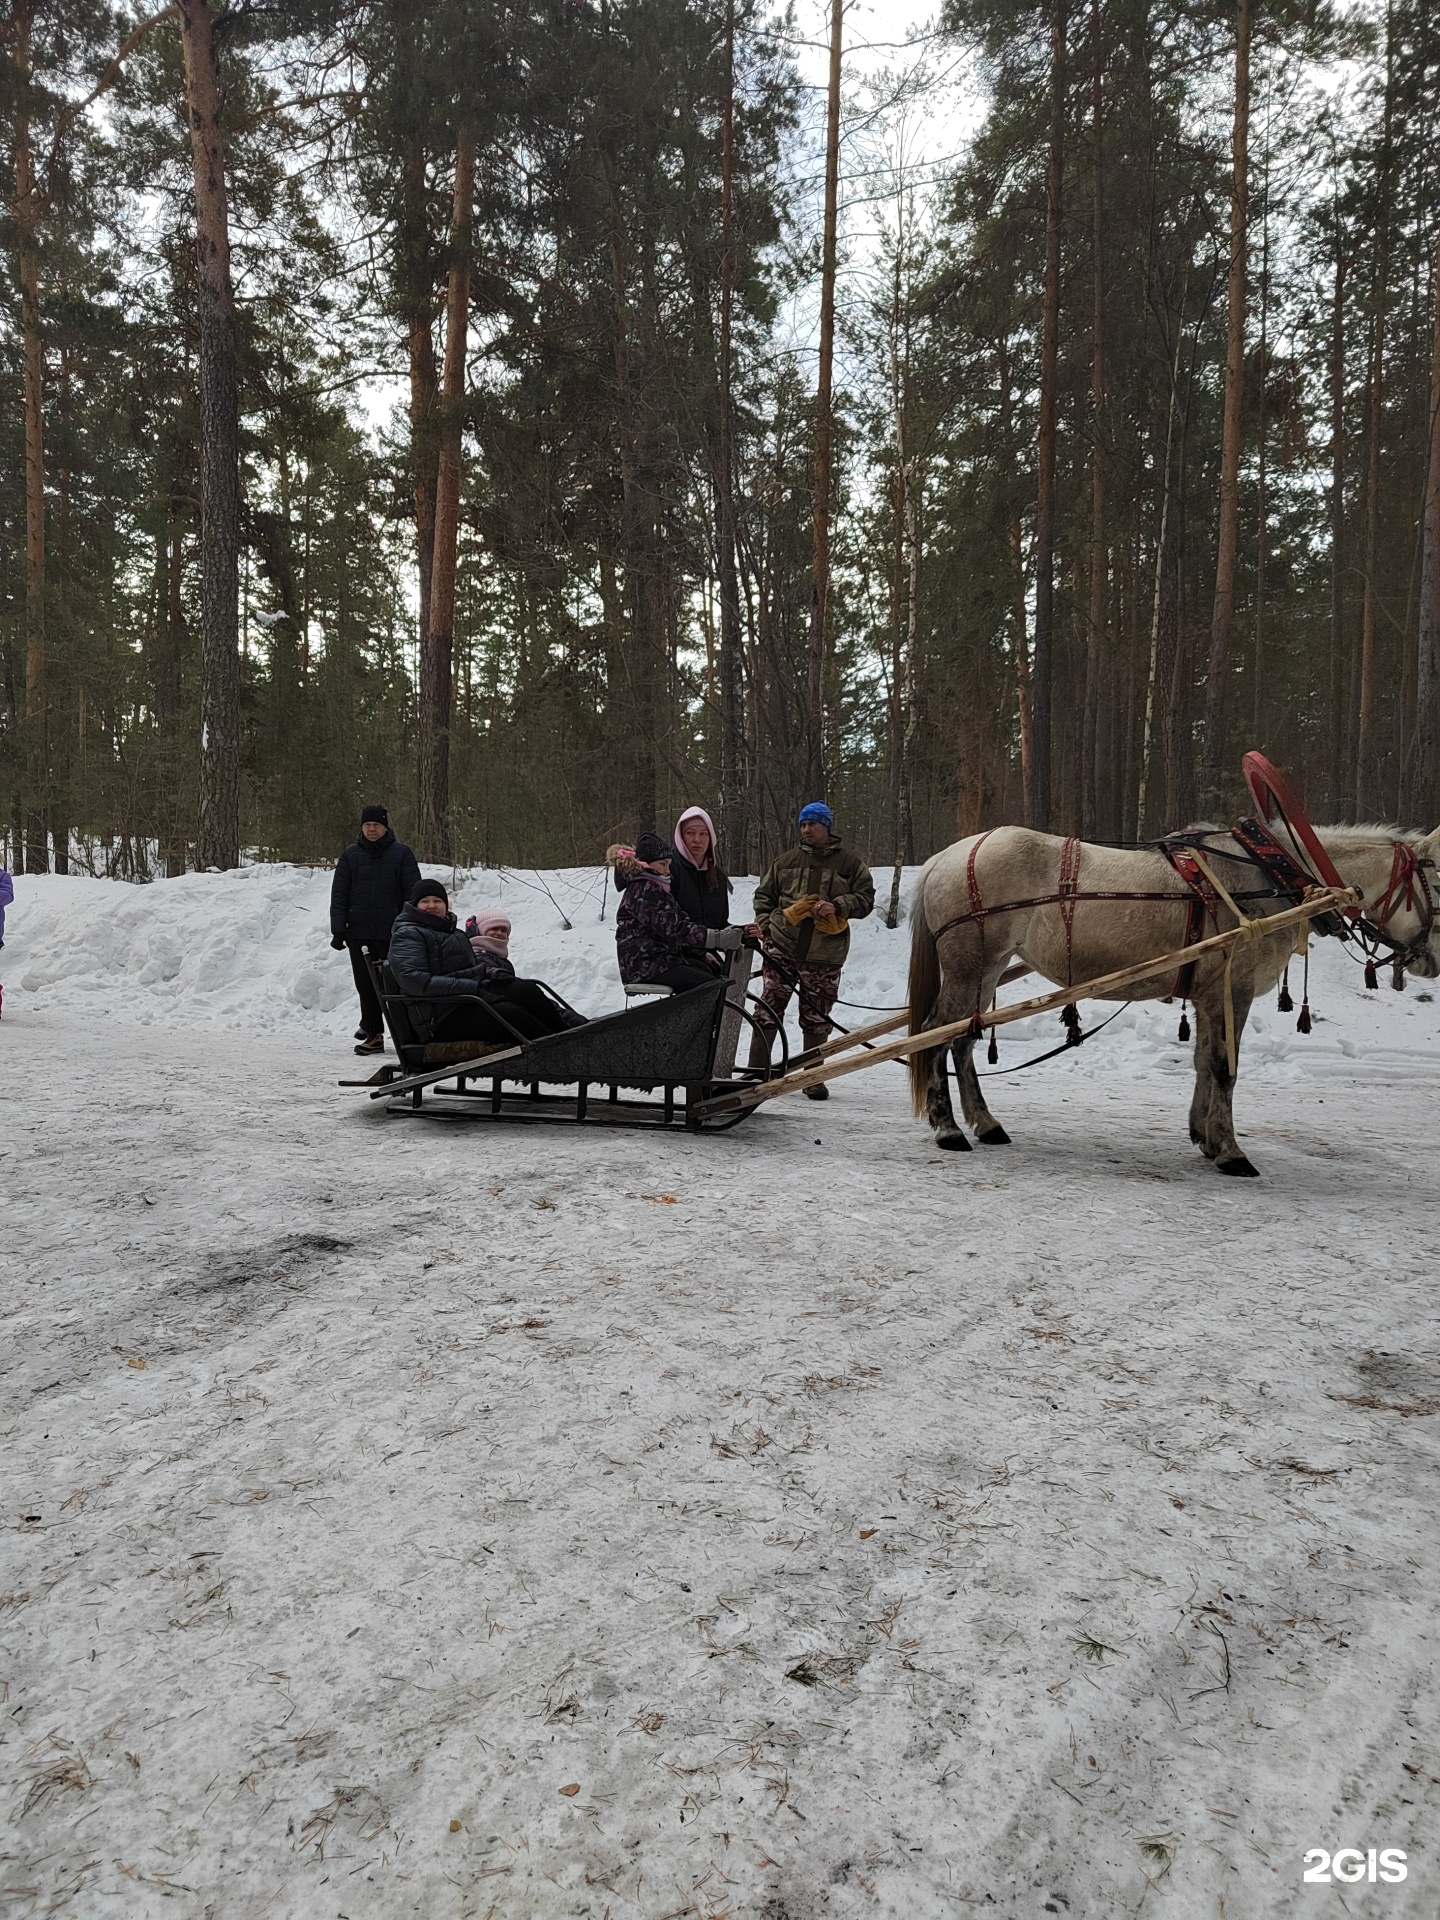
(250, 950)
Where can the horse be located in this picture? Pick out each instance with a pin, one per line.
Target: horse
(1073, 911)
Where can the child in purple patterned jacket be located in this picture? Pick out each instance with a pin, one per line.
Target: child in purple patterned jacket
(655, 939)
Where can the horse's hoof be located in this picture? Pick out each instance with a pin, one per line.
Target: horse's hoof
(995, 1137)
(1239, 1166)
(953, 1142)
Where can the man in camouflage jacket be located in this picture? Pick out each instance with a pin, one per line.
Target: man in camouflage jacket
(804, 905)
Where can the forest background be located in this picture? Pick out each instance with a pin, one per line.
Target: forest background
(1126, 456)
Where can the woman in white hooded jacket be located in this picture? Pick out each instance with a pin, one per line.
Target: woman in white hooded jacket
(697, 880)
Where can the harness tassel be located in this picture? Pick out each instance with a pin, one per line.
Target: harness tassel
(1070, 1020)
(992, 1052)
(1183, 1032)
(1302, 1025)
(1285, 1004)
(1372, 979)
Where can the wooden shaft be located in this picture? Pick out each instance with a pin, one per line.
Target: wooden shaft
(1320, 902)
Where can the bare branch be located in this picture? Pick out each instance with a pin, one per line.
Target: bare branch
(107, 80)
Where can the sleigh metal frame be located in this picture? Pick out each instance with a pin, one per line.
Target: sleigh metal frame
(653, 1065)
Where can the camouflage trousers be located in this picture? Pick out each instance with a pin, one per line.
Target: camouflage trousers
(819, 989)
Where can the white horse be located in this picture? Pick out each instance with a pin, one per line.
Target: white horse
(1012, 894)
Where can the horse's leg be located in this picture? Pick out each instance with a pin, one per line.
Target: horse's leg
(958, 993)
(938, 1110)
(1215, 1132)
(1204, 1094)
(988, 1130)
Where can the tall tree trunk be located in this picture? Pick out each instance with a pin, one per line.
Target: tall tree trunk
(1095, 637)
(166, 680)
(1365, 717)
(437, 689)
(1228, 533)
(37, 718)
(1019, 632)
(902, 639)
(910, 694)
(824, 434)
(1336, 782)
(1155, 685)
(732, 800)
(219, 834)
(1425, 780)
(1262, 531)
(1020, 642)
(896, 714)
(642, 657)
(417, 291)
(1043, 666)
(1374, 427)
(424, 390)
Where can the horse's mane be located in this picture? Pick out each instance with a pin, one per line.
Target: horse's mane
(1368, 832)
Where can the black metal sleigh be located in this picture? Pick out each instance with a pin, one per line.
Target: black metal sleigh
(656, 1064)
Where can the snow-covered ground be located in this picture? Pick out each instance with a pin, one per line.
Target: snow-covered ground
(1047, 1529)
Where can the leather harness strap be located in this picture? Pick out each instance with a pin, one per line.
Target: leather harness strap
(1200, 903)
(1070, 857)
(1052, 900)
(977, 905)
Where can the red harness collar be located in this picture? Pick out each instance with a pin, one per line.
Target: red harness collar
(1408, 886)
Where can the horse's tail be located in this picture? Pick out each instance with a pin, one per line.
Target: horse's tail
(924, 990)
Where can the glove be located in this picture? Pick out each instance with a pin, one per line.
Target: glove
(337, 940)
(724, 939)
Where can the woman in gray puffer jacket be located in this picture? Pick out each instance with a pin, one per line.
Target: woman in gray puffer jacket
(434, 962)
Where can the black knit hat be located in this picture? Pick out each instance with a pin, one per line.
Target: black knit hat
(374, 813)
(428, 890)
(651, 847)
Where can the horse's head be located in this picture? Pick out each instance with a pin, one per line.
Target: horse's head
(1396, 876)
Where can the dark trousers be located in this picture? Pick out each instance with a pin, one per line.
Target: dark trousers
(685, 974)
(523, 1005)
(371, 1018)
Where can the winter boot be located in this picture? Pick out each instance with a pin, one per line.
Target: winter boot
(760, 1054)
(372, 1043)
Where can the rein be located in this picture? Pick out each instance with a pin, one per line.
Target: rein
(1409, 887)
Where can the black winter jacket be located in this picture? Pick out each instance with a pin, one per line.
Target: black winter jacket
(432, 961)
(691, 888)
(372, 882)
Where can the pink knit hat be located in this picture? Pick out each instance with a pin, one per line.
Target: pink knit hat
(489, 932)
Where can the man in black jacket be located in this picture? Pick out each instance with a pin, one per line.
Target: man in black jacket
(373, 878)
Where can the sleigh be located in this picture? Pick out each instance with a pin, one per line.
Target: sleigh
(659, 1063)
